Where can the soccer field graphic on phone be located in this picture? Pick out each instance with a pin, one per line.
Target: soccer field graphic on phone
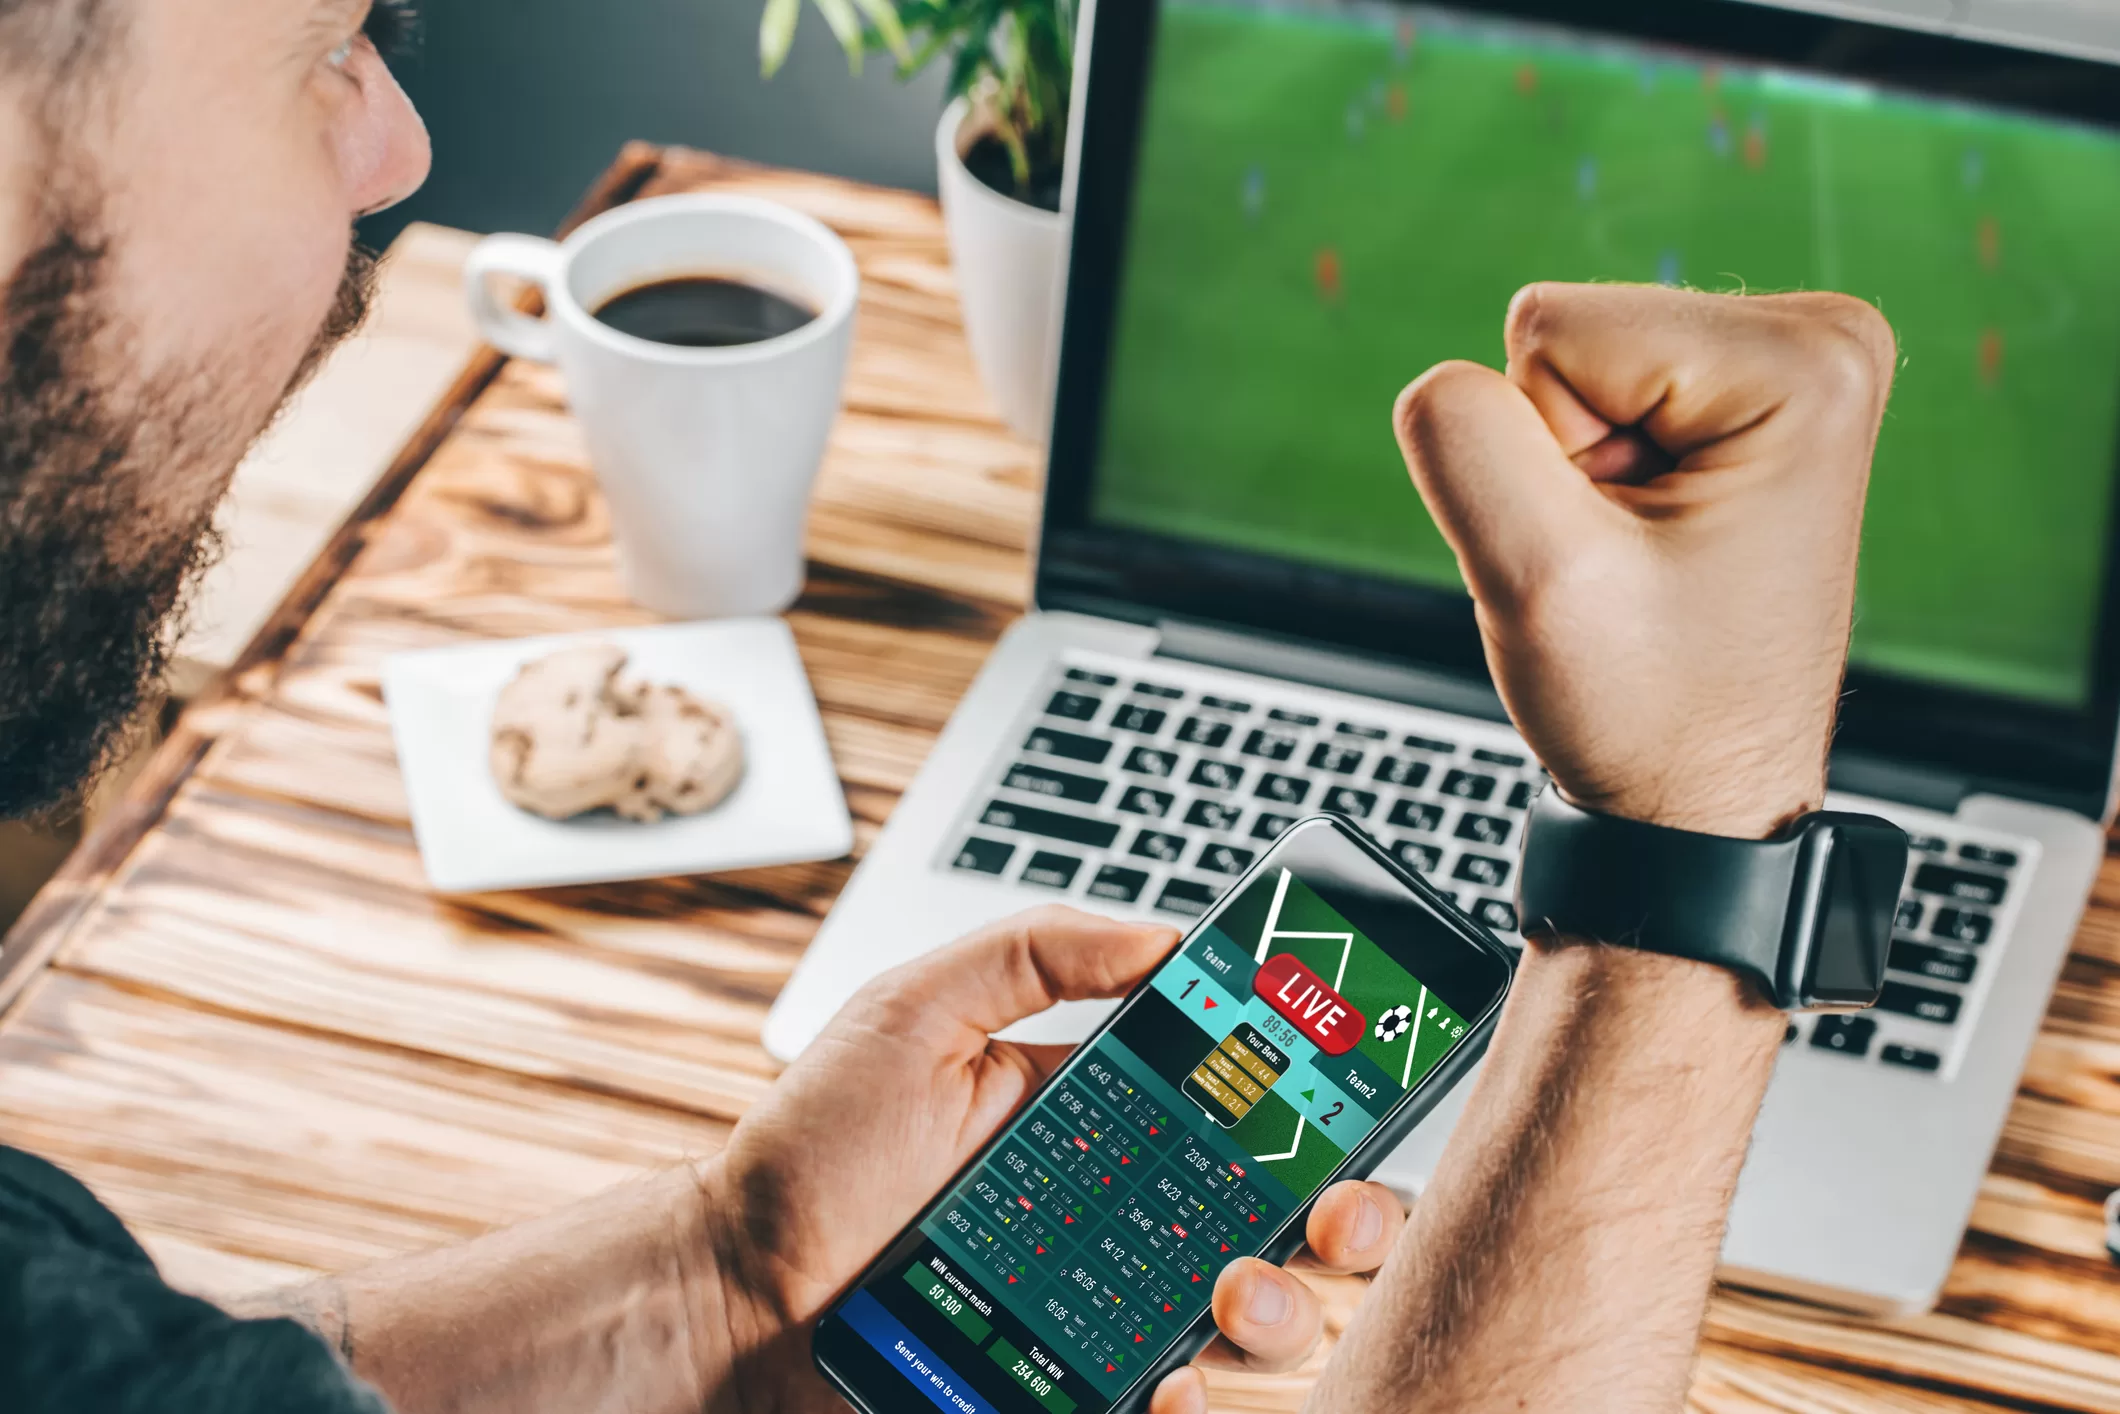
(1387, 1029)
(1219, 1102)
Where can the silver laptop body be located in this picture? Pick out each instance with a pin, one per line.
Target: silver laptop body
(1161, 714)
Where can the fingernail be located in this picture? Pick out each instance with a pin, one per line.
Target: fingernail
(1270, 1303)
(1368, 1225)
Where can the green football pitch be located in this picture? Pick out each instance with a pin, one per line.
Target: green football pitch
(1325, 207)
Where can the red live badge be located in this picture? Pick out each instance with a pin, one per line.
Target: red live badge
(1311, 1006)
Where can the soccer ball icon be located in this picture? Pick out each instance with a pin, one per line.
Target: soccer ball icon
(1394, 1024)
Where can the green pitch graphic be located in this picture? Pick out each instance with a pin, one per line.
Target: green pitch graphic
(1328, 204)
(1271, 1128)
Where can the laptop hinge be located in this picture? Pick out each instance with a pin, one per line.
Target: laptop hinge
(1859, 773)
(1270, 656)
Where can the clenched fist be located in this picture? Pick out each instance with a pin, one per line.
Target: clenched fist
(1657, 509)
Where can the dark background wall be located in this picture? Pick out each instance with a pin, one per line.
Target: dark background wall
(529, 99)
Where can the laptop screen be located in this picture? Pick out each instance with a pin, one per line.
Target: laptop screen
(1332, 195)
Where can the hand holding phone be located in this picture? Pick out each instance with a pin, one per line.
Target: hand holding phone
(1309, 1020)
(905, 1085)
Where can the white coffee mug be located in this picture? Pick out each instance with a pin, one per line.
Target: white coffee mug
(707, 455)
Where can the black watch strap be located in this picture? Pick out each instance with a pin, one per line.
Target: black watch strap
(1806, 915)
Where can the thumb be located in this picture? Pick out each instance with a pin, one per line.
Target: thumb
(1022, 965)
(1496, 479)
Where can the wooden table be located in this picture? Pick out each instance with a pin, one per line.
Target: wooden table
(239, 1015)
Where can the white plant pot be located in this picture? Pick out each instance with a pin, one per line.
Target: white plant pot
(1011, 259)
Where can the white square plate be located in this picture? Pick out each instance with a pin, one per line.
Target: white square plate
(787, 809)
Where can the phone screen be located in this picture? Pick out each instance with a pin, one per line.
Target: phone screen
(1189, 1132)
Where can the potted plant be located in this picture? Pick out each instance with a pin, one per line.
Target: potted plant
(1000, 149)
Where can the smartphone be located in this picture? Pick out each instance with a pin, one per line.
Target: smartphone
(1313, 1016)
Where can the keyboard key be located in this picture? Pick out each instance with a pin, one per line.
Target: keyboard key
(1062, 785)
(1051, 871)
(1943, 964)
(1274, 746)
(1067, 745)
(1909, 916)
(1467, 786)
(1223, 858)
(1282, 790)
(1924, 1002)
(1185, 897)
(1908, 1056)
(1420, 858)
(1225, 704)
(1479, 869)
(1349, 801)
(1498, 914)
(1365, 733)
(1217, 775)
(1484, 829)
(1095, 679)
(1496, 758)
(1402, 771)
(1198, 731)
(1849, 1035)
(1156, 845)
(1429, 743)
(1140, 800)
(1963, 884)
(1150, 689)
(1981, 854)
(1119, 884)
(1213, 815)
(1293, 719)
(1962, 925)
(1926, 844)
(1340, 760)
(1146, 761)
(1271, 827)
(1075, 706)
(1075, 829)
(1423, 815)
(983, 856)
(1131, 717)
(1520, 795)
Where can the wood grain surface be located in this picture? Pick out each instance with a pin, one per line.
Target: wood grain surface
(239, 1015)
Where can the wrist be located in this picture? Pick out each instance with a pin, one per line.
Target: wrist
(737, 1315)
(1681, 1000)
(1748, 805)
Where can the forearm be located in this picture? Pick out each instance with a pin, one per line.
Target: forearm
(612, 1304)
(1561, 1257)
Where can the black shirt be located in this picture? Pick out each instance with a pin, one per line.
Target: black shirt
(87, 1324)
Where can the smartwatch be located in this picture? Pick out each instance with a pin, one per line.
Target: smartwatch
(1806, 915)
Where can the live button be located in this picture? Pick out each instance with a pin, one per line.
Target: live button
(1309, 1005)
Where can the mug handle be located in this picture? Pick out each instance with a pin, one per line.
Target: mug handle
(528, 258)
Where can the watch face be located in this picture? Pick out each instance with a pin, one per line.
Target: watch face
(1864, 866)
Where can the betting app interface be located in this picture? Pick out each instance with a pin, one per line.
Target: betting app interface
(1181, 1139)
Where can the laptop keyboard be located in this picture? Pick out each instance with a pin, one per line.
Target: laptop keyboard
(1150, 788)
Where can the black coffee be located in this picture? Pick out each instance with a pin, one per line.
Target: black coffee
(704, 312)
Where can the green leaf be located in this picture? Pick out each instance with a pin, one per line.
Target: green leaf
(883, 17)
(776, 34)
(839, 14)
(975, 58)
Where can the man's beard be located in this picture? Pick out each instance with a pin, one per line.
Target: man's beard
(94, 564)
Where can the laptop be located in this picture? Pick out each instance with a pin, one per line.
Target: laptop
(1285, 211)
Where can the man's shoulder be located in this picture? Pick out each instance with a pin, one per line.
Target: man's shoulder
(39, 1203)
(86, 1322)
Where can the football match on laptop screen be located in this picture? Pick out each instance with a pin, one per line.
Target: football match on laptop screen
(1330, 193)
